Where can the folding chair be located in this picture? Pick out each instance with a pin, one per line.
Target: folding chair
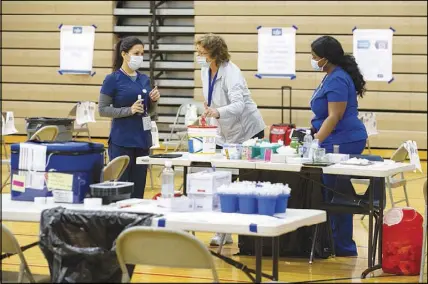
(399, 156)
(156, 146)
(78, 128)
(10, 245)
(424, 241)
(46, 133)
(162, 247)
(178, 134)
(115, 169)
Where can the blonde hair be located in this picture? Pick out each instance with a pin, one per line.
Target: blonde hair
(215, 46)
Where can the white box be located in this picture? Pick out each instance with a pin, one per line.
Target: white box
(176, 204)
(207, 182)
(205, 202)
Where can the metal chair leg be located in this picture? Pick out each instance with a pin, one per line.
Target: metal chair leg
(220, 247)
(311, 258)
(388, 185)
(330, 236)
(151, 177)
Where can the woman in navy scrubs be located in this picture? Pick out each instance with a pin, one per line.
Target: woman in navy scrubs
(335, 122)
(127, 97)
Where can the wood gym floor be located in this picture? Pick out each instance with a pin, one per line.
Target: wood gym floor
(339, 269)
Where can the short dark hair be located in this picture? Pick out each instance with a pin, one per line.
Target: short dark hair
(124, 44)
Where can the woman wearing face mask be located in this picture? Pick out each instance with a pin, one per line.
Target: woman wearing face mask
(335, 122)
(127, 97)
(228, 102)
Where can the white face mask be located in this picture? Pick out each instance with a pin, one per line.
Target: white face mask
(202, 61)
(135, 62)
(315, 65)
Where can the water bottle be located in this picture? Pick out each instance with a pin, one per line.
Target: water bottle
(307, 141)
(167, 190)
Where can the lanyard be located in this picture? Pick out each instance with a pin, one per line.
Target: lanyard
(319, 88)
(143, 95)
(211, 86)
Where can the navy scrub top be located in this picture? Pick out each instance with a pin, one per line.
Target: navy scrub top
(338, 87)
(128, 131)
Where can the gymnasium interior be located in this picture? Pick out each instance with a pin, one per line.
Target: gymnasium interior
(33, 87)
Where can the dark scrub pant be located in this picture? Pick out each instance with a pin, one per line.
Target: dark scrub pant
(342, 224)
(133, 173)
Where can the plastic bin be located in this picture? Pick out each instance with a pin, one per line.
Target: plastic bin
(281, 203)
(65, 126)
(70, 168)
(402, 241)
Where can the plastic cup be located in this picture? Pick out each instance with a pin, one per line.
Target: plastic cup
(247, 204)
(281, 203)
(228, 203)
(266, 205)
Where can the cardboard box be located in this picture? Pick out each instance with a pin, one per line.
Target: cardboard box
(204, 202)
(207, 182)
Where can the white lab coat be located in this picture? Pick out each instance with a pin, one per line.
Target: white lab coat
(239, 119)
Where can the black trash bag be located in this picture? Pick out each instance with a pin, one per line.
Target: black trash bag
(80, 245)
(306, 193)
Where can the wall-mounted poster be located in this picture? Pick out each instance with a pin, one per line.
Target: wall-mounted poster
(373, 53)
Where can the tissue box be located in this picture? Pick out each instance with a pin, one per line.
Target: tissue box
(204, 202)
(203, 183)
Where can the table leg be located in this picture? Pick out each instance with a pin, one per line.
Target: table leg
(275, 258)
(259, 254)
(185, 180)
(381, 205)
(311, 258)
(371, 244)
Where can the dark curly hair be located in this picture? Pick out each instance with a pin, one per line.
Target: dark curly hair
(215, 46)
(330, 48)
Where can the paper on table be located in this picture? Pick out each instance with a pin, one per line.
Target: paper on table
(276, 51)
(372, 49)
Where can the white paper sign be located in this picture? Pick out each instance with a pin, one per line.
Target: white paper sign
(369, 120)
(8, 123)
(276, 52)
(85, 112)
(77, 49)
(412, 149)
(373, 53)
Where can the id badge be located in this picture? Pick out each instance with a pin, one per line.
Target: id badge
(147, 123)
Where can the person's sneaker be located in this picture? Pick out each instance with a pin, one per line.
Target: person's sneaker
(215, 241)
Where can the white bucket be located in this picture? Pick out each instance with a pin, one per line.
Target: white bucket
(202, 139)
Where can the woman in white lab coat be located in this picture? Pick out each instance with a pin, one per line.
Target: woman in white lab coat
(226, 94)
(228, 102)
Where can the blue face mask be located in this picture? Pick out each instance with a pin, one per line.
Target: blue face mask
(315, 65)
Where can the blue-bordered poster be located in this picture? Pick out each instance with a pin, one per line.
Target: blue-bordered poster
(276, 52)
(76, 49)
(372, 50)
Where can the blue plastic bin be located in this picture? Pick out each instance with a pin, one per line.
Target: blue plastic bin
(281, 203)
(247, 204)
(229, 203)
(83, 160)
(266, 205)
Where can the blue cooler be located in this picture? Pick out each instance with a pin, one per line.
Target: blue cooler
(70, 166)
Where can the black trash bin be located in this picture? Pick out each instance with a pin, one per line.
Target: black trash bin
(80, 245)
(65, 126)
